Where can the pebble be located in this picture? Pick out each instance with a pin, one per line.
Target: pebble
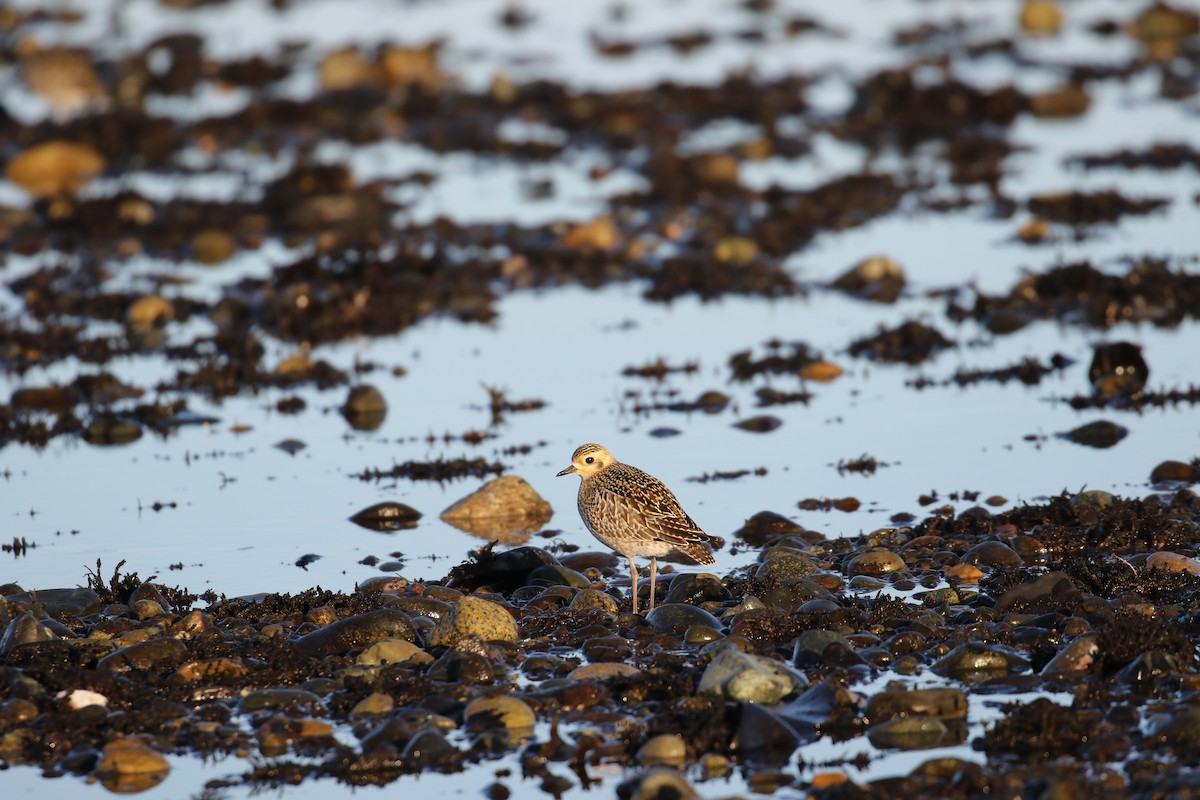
(603, 672)
(876, 563)
(594, 598)
(664, 750)
(992, 554)
(513, 713)
(657, 783)
(392, 651)
(972, 659)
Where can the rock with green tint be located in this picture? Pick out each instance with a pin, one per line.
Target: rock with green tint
(474, 615)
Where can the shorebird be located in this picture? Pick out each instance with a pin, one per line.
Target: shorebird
(634, 513)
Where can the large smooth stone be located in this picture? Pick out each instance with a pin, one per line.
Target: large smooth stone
(749, 678)
(678, 617)
(474, 615)
(354, 632)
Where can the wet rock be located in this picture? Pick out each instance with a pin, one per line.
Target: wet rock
(152, 656)
(59, 602)
(1100, 434)
(24, 629)
(945, 703)
(971, 661)
(1062, 103)
(507, 711)
(656, 784)
(965, 573)
(501, 509)
(908, 733)
(148, 591)
(474, 616)
(665, 750)
(455, 666)
(1041, 17)
(1050, 592)
(429, 750)
(373, 704)
(387, 516)
(1163, 22)
(810, 646)
(765, 526)
(144, 610)
(992, 554)
(129, 765)
(1118, 369)
(392, 651)
(910, 342)
(1175, 472)
(1173, 562)
(604, 672)
(281, 699)
(212, 247)
(213, 670)
(599, 234)
(422, 606)
(702, 634)
(1093, 501)
(149, 312)
(876, 563)
(1077, 658)
(557, 575)
(878, 279)
(365, 408)
(696, 589)
(784, 566)
(502, 572)
(749, 678)
(607, 648)
(764, 423)
(355, 632)
(678, 617)
(593, 598)
(65, 78)
(54, 168)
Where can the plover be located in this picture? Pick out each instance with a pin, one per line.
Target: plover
(634, 513)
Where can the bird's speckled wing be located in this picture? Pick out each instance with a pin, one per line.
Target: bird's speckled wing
(645, 501)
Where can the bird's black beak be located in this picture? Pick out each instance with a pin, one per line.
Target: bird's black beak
(568, 471)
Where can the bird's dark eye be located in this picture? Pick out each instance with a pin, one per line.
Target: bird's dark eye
(588, 460)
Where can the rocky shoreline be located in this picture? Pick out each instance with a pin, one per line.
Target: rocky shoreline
(521, 653)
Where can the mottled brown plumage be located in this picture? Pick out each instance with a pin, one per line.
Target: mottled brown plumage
(634, 513)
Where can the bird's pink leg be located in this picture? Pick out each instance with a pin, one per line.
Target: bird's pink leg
(653, 580)
(633, 574)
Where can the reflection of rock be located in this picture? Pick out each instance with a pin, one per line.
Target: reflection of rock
(387, 517)
(505, 509)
